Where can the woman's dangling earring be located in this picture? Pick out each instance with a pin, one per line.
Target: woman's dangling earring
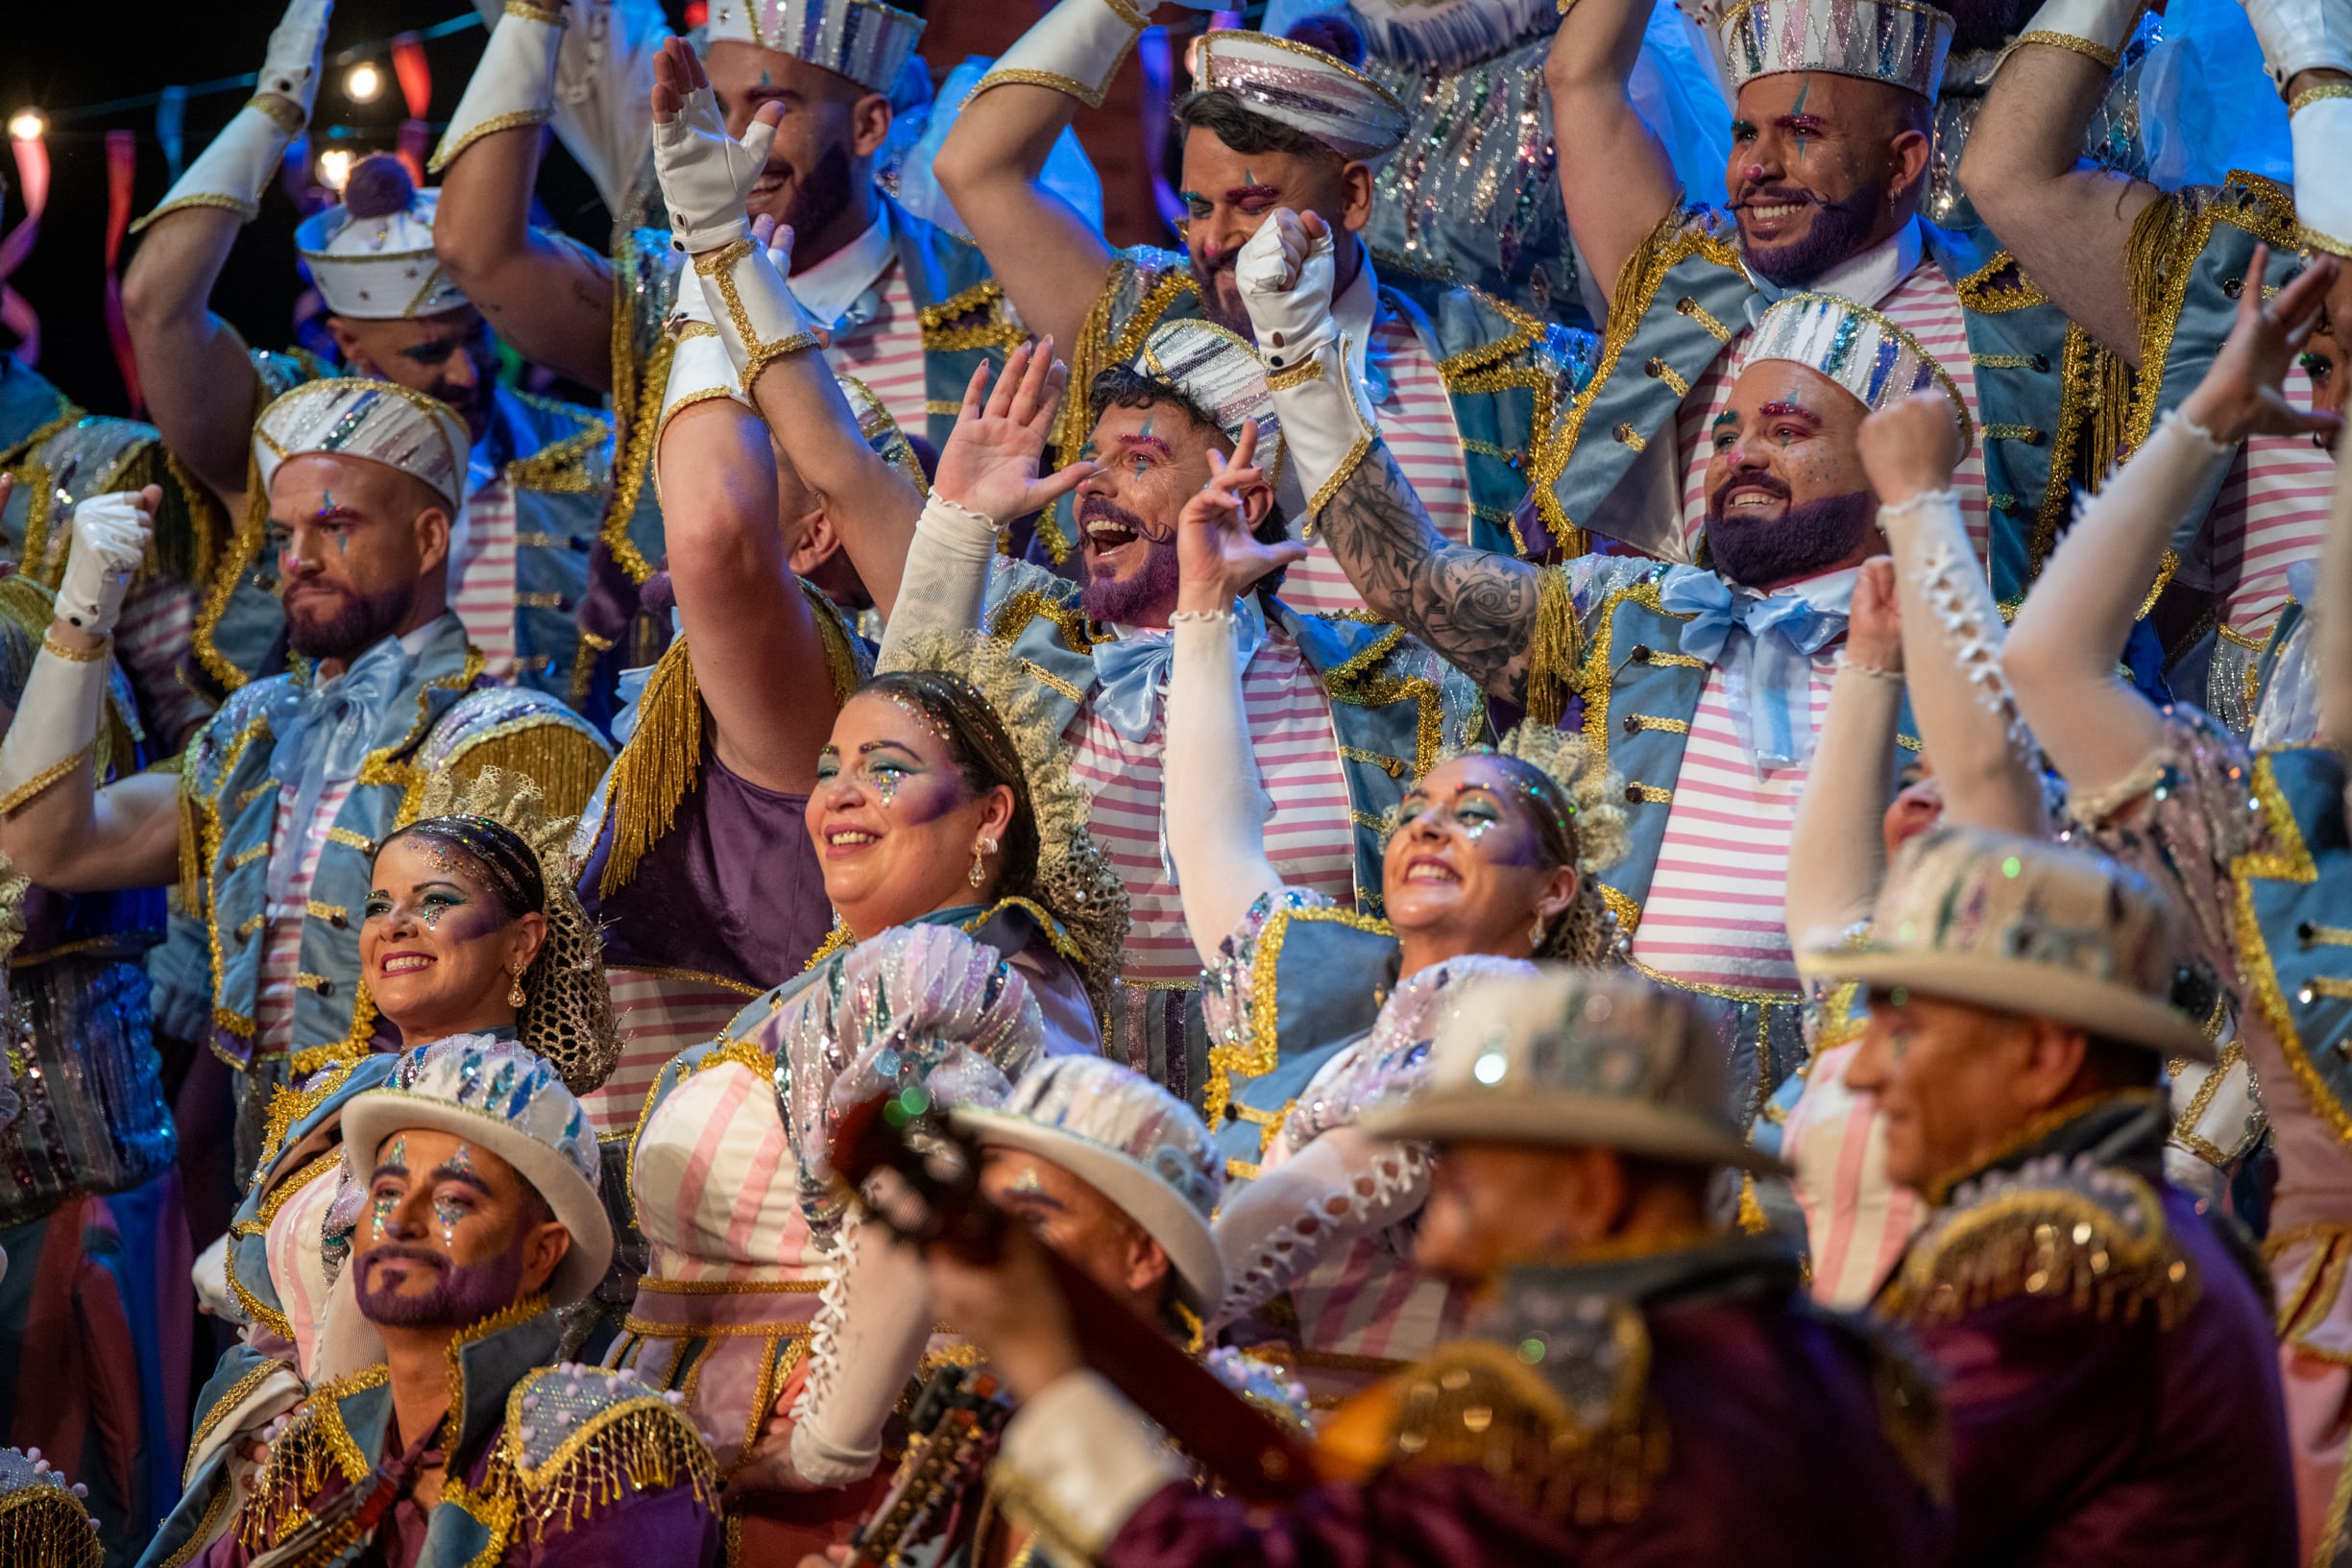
(982, 849)
(1534, 936)
(515, 997)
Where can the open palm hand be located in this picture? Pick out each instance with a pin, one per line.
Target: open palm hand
(2245, 394)
(1216, 556)
(990, 462)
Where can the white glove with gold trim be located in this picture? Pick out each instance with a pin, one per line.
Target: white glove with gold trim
(1075, 49)
(2299, 35)
(706, 174)
(2097, 27)
(109, 541)
(1286, 279)
(744, 289)
(235, 170)
(699, 368)
(56, 719)
(514, 83)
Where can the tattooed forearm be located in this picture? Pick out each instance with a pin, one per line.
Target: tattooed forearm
(1474, 606)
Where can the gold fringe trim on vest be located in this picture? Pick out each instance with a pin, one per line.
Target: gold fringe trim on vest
(657, 768)
(565, 763)
(1552, 651)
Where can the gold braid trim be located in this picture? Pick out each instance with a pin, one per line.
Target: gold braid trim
(1551, 653)
(243, 550)
(2160, 259)
(2311, 95)
(1258, 1054)
(657, 769)
(2107, 58)
(289, 1105)
(637, 409)
(638, 1445)
(2047, 1241)
(2283, 856)
(1999, 285)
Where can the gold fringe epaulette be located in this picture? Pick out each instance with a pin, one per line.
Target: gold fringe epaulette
(596, 1437)
(1552, 653)
(657, 768)
(43, 1522)
(313, 1447)
(2094, 1237)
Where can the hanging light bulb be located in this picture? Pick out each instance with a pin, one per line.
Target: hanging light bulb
(28, 125)
(362, 83)
(334, 169)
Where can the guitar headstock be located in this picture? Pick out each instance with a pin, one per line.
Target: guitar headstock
(929, 1186)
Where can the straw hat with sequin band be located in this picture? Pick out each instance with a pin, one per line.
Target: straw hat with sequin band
(1074, 879)
(1857, 347)
(568, 1016)
(1582, 1057)
(1130, 1140)
(379, 265)
(1302, 88)
(43, 1521)
(380, 421)
(861, 39)
(511, 1101)
(2021, 925)
(1899, 42)
(1222, 373)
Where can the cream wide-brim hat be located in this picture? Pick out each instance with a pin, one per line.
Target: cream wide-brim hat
(1148, 1200)
(376, 1114)
(1564, 1119)
(2017, 986)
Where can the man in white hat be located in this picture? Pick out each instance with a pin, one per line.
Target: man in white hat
(2108, 1361)
(1467, 387)
(1640, 1388)
(536, 469)
(450, 1438)
(2154, 277)
(298, 777)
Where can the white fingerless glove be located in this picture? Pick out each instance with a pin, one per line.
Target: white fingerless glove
(2321, 131)
(514, 83)
(707, 175)
(110, 534)
(699, 368)
(235, 170)
(1075, 49)
(2300, 35)
(1325, 415)
(55, 726)
(2098, 28)
(744, 288)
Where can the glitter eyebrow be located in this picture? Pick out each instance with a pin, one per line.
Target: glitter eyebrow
(1789, 410)
(1153, 442)
(1243, 193)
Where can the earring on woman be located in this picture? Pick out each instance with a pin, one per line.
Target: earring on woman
(982, 849)
(1534, 936)
(515, 997)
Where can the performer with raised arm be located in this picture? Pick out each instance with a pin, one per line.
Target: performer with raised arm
(535, 469)
(2247, 845)
(1638, 1386)
(289, 790)
(2152, 276)
(1703, 689)
(1316, 1011)
(1467, 387)
(2104, 1348)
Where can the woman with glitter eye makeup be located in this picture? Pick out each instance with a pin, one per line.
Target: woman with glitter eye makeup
(1492, 861)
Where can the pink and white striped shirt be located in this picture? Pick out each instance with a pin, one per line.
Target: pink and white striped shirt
(1309, 837)
(1716, 908)
(659, 1016)
(485, 588)
(281, 953)
(2273, 512)
(156, 629)
(886, 354)
(1856, 1221)
(1417, 421)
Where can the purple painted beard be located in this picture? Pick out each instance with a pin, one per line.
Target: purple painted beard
(1837, 234)
(1151, 591)
(1803, 541)
(819, 196)
(459, 1299)
(1234, 319)
(358, 623)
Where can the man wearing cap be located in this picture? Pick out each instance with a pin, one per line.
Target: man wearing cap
(536, 469)
(1704, 689)
(1832, 139)
(2107, 1358)
(2154, 277)
(281, 800)
(1640, 1388)
(450, 1440)
(1467, 387)
(1340, 714)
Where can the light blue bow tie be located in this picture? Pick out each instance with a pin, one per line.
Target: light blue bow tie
(322, 734)
(1767, 666)
(1133, 669)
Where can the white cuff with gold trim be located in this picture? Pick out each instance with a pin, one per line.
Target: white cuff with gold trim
(2322, 134)
(699, 368)
(752, 308)
(513, 84)
(1075, 49)
(2097, 27)
(1078, 1460)
(56, 727)
(235, 170)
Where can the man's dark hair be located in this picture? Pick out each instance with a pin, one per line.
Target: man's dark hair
(1124, 386)
(1223, 115)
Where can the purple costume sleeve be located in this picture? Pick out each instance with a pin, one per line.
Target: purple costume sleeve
(1437, 1516)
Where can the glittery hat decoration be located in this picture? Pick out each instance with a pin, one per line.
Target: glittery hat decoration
(511, 1101)
(861, 39)
(43, 1520)
(1576, 1057)
(1856, 347)
(386, 422)
(373, 257)
(1130, 1140)
(1222, 373)
(1884, 40)
(2022, 925)
(1302, 88)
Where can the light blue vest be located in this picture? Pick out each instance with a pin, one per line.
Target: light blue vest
(2297, 952)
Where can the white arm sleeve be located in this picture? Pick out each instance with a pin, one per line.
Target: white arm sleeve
(1837, 856)
(1216, 810)
(866, 1343)
(1344, 1184)
(945, 585)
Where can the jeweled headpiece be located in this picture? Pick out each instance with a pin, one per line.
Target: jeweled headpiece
(861, 39)
(1302, 88)
(1856, 347)
(380, 420)
(1893, 41)
(379, 268)
(1223, 376)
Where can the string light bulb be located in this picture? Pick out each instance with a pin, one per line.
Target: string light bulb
(28, 125)
(334, 169)
(362, 83)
